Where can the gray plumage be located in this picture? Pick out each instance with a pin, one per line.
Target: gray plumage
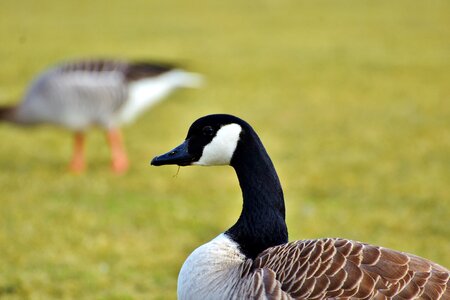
(97, 92)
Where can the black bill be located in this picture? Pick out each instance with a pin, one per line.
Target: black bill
(177, 156)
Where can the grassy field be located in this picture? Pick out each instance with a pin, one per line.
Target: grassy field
(351, 99)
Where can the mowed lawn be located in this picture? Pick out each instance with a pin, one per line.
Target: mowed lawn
(351, 98)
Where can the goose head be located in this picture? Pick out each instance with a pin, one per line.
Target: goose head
(227, 140)
(211, 140)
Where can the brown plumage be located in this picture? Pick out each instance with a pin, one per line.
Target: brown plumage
(344, 269)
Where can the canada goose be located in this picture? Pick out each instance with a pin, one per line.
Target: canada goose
(254, 260)
(107, 93)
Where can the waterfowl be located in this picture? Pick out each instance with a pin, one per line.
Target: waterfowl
(253, 258)
(106, 93)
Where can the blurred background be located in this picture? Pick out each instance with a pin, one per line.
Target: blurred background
(351, 99)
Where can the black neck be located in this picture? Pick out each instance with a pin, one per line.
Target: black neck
(262, 221)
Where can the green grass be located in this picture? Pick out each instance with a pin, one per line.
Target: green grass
(351, 99)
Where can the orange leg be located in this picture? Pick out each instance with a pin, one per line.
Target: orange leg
(118, 155)
(77, 164)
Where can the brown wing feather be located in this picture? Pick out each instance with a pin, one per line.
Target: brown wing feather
(344, 269)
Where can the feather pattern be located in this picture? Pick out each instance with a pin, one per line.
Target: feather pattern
(344, 269)
(329, 268)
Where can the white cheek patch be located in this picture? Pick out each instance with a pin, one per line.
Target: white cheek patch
(220, 150)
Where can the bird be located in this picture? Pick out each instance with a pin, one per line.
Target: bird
(253, 259)
(107, 93)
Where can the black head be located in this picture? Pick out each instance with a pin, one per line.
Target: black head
(211, 140)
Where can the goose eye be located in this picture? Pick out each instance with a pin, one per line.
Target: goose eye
(208, 131)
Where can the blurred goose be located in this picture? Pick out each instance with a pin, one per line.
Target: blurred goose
(106, 93)
(254, 260)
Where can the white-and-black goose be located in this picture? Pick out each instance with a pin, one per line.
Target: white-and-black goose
(254, 260)
(106, 93)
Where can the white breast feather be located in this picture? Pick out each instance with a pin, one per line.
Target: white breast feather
(211, 271)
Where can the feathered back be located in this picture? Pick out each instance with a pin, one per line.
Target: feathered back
(132, 71)
(344, 269)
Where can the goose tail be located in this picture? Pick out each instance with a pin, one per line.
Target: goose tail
(7, 114)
